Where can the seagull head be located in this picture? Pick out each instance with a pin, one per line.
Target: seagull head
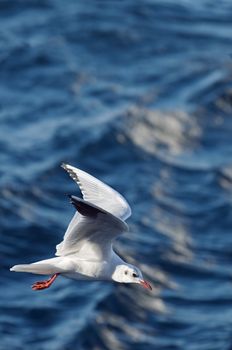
(127, 273)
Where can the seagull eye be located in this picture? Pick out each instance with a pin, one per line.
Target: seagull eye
(134, 275)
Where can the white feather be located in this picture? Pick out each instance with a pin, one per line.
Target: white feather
(98, 193)
(76, 237)
(91, 238)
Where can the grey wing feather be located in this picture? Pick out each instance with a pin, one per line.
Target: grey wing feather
(93, 232)
(98, 193)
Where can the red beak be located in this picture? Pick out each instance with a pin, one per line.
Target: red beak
(145, 284)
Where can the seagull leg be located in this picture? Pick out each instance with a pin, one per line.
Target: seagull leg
(44, 284)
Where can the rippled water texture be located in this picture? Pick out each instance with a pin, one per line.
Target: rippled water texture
(139, 94)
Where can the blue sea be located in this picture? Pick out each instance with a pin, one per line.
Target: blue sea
(139, 94)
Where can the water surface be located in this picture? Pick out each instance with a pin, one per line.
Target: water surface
(138, 94)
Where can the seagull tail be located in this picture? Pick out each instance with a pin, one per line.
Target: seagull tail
(39, 268)
(23, 268)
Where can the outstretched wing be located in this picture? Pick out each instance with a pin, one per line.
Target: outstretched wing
(98, 193)
(91, 234)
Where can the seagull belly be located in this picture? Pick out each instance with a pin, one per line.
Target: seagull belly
(87, 270)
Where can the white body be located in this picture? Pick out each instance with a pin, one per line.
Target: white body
(72, 267)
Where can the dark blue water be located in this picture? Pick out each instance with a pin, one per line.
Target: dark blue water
(139, 94)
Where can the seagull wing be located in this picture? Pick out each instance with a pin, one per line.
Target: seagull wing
(91, 233)
(98, 193)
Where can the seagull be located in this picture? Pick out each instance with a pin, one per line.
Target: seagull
(86, 252)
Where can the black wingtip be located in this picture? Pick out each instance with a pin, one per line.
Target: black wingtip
(83, 207)
(73, 201)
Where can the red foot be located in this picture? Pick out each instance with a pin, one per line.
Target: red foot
(44, 284)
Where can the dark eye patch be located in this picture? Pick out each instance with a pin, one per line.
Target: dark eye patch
(134, 275)
(126, 272)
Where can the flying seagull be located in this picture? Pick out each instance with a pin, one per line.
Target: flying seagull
(86, 252)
